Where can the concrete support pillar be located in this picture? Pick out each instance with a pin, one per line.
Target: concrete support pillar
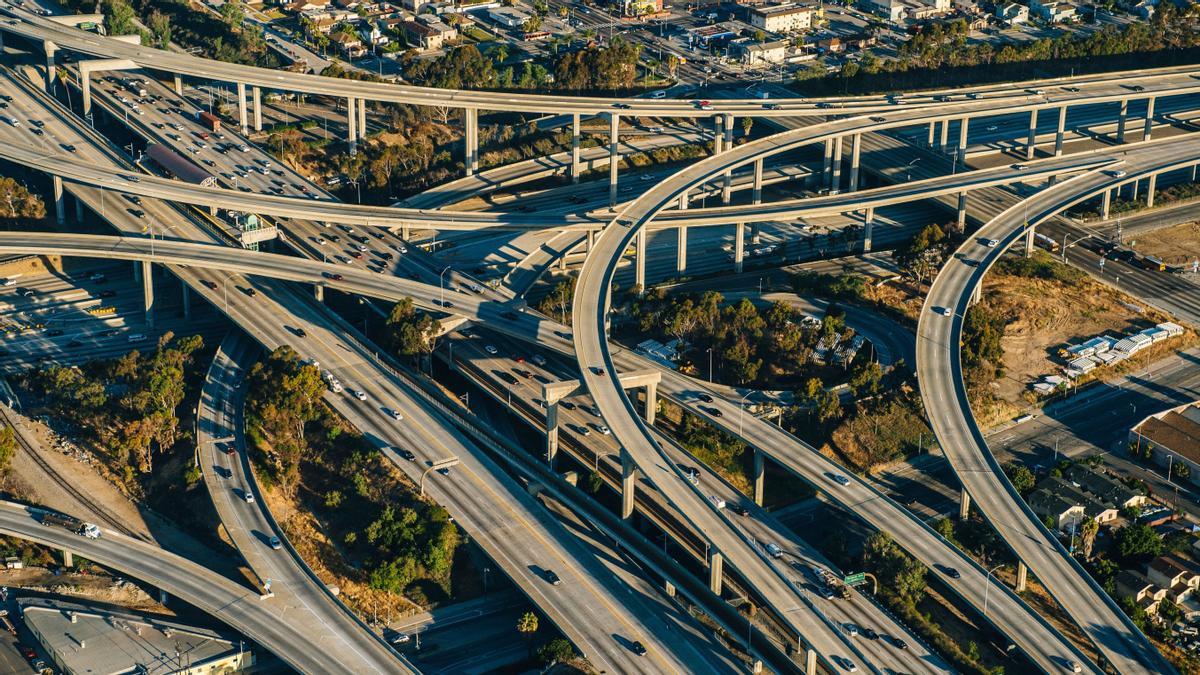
(163, 597)
(727, 184)
(187, 301)
(681, 240)
(1105, 204)
(319, 293)
(1121, 118)
(1133, 189)
(178, 85)
(470, 136)
(1029, 236)
(756, 188)
(716, 572)
(241, 101)
(739, 247)
(256, 94)
(551, 433)
(1150, 184)
(718, 134)
(758, 476)
(944, 138)
(614, 131)
(60, 204)
(810, 660)
(651, 396)
(1062, 127)
(963, 125)
(964, 505)
(669, 589)
(1149, 119)
(977, 294)
(148, 292)
(855, 148)
(1022, 576)
(362, 121)
(1031, 140)
(85, 83)
(868, 226)
(932, 131)
(628, 484)
(68, 558)
(51, 69)
(639, 259)
(137, 272)
(78, 210)
(962, 210)
(575, 150)
(591, 240)
(351, 126)
(835, 176)
(827, 167)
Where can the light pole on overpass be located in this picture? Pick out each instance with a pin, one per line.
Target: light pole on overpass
(444, 463)
(988, 586)
(442, 284)
(742, 411)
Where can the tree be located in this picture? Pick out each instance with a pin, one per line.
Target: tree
(527, 625)
(559, 300)
(1137, 541)
(922, 256)
(119, 18)
(866, 379)
(8, 448)
(823, 402)
(555, 651)
(1021, 477)
(160, 28)
(232, 13)
(19, 203)
(411, 333)
(1087, 537)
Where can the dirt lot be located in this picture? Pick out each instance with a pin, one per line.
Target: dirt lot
(91, 586)
(1044, 315)
(1173, 245)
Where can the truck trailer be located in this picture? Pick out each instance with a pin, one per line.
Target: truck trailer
(72, 524)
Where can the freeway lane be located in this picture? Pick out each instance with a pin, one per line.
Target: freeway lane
(944, 395)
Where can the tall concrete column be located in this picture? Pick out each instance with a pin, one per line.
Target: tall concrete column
(810, 662)
(591, 240)
(739, 246)
(68, 558)
(718, 134)
(256, 94)
(716, 569)
(1105, 204)
(651, 396)
(319, 293)
(639, 259)
(1150, 184)
(85, 83)
(1029, 237)
(756, 188)
(178, 85)
(241, 101)
(362, 121)
(681, 239)
(137, 272)
(932, 131)
(855, 148)
(575, 149)
(1022, 576)
(614, 124)
(758, 476)
(1149, 119)
(551, 433)
(51, 69)
(963, 125)
(977, 294)
(148, 292)
(471, 138)
(628, 484)
(827, 167)
(78, 210)
(1062, 127)
(351, 126)
(1031, 140)
(727, 185)
(868, 226)
(835, 177)
(962, 210)
(1121, 117)
(187, 301)
(60, 204)
(964, 505)
(944, 138)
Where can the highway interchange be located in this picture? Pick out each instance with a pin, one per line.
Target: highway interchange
(1121, 645)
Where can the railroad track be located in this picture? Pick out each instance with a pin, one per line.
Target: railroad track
(78, 495)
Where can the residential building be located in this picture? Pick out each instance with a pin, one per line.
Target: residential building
(1068, 506)
(427, 32)
(785, 18)
(1104, 488)
(1053, 11)
(82, 639)
(1173, 437)
(1055, 509)
(372, 34)
(1135, 585)
(1177, 575)
(754, 53)
(1012, 14)
(348, 44)
(508, 17)
(641, 7)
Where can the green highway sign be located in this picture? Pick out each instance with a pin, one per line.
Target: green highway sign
(855, 579)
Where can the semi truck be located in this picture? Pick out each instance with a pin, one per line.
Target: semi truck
(209, 120)
(72, 524)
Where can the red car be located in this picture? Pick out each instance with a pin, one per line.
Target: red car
(28, 652)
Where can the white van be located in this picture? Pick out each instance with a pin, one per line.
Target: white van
(658, 94)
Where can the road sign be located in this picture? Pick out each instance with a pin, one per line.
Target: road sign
(855, 579)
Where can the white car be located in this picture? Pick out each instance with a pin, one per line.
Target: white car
(396, 415)
(320, 241)
(851, 629)
(945, 311)
(361, 248)
(360, 394)
(604, 430)
(717, 501)
(1116, 173)
(992, 243)
(840, 479)
(244, 148)
(491, 350)
(248, 496)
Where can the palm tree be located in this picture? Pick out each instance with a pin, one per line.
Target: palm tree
(527, 625)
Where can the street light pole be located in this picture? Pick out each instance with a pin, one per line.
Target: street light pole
(442, 285)
(742, 411)
(987, 586)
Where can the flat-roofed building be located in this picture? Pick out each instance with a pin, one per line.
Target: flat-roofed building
(785, 18)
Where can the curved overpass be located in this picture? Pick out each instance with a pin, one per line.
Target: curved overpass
(944, 394)
(1008, 613)
(220, 597)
